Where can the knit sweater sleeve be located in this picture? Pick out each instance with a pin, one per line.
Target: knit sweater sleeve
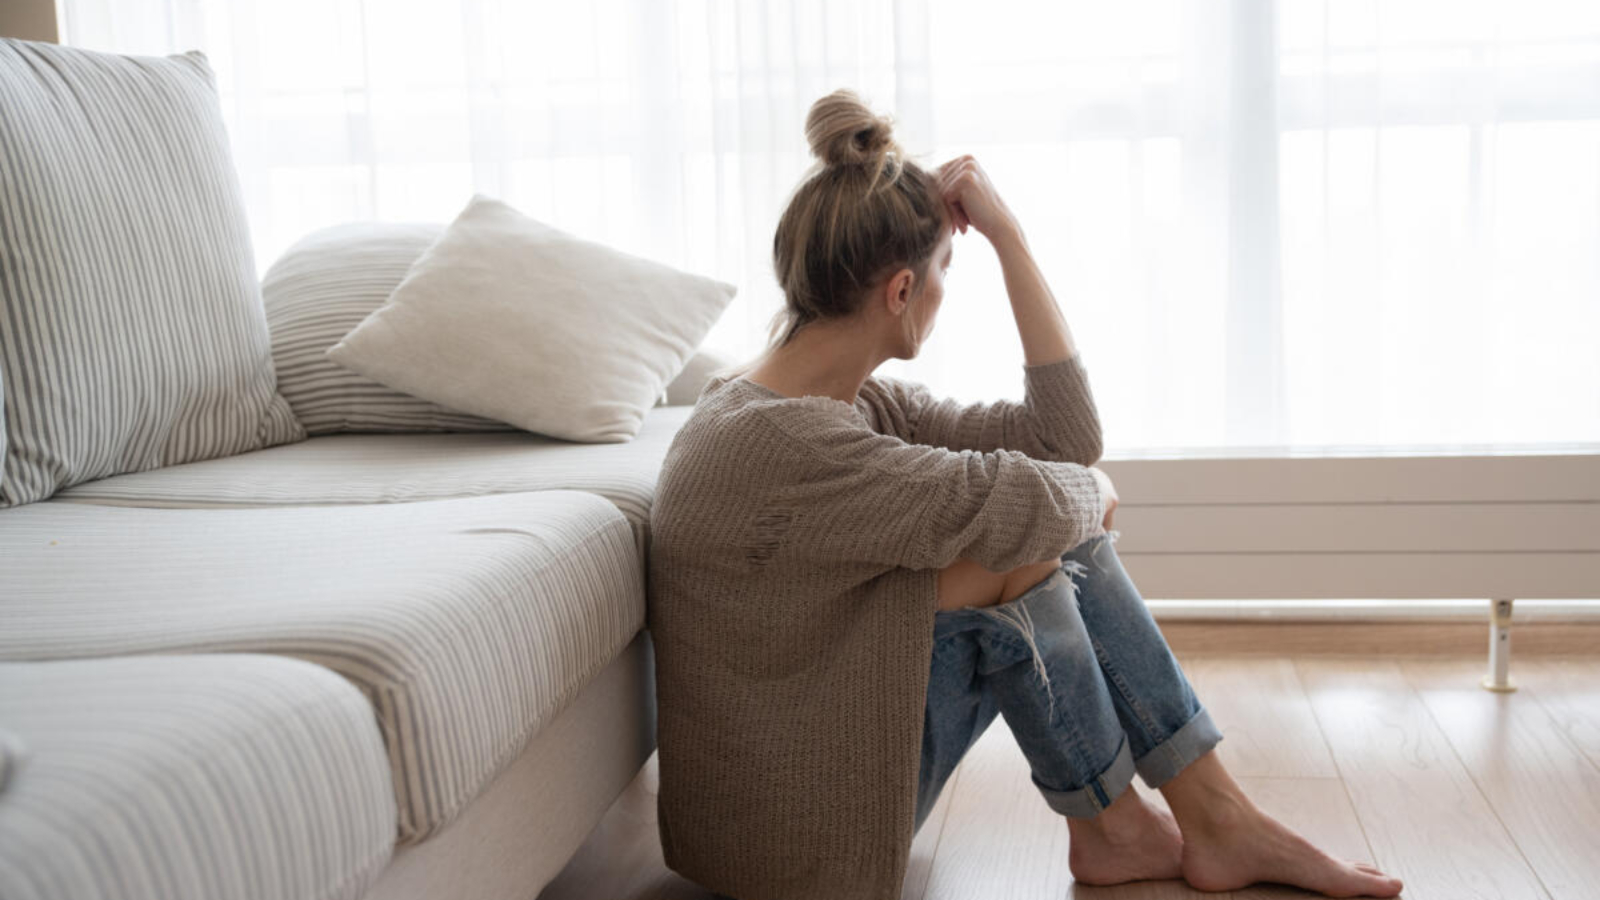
(858, 495)
(1057, 419)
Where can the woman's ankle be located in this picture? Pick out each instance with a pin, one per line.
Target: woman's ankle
(1205, 797)
(1125, 819)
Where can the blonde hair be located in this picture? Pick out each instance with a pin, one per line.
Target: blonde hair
(863, 211)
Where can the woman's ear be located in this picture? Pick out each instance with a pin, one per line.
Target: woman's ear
(899, 289)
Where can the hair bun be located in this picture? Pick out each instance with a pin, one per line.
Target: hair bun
(844, 132)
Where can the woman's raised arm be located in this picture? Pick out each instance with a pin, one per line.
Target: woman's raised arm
(974, 201)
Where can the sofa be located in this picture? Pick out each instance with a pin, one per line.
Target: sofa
(347, 662)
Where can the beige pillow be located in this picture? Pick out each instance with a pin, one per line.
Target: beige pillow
(325, 285)
(508, 318)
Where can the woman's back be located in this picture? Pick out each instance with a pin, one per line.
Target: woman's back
(793, 563)
(788, 683)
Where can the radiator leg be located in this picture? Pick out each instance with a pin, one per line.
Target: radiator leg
(1499, 677)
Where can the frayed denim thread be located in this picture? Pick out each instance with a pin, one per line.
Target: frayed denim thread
(1015, 614)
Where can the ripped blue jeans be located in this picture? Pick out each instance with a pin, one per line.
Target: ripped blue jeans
(1083, 677)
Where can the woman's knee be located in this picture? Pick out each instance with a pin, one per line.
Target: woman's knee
(965, 583)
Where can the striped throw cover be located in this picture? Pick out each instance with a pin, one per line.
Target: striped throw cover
(12, 753)
(468, 624)
(191, 778)
(131, 328)
(403, 468)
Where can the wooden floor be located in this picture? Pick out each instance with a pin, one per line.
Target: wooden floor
(1405, 762)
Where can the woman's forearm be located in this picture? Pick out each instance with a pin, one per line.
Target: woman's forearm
(1040, 323)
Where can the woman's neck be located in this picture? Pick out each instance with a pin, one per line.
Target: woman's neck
(823, 359)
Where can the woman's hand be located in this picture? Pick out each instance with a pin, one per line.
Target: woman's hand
(972, 198)
(1109, 491)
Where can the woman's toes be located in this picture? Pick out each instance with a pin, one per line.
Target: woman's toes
(1266, 850)
(1365, 867)
(1373, 882)
(1374, 871)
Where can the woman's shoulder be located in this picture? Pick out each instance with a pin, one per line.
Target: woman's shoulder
(734, 401)
(740, 426)
(737, 446)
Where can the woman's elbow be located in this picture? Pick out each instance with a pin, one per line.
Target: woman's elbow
(1081, 447)
(1085, 449)
(1091, 451)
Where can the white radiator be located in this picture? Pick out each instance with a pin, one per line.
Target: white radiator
(1316, 528)
(1390, 527)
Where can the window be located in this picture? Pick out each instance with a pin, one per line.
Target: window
(1304, 224)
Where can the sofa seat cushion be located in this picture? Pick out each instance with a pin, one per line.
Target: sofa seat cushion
(199, 776)
(468, 623)
(392, 468)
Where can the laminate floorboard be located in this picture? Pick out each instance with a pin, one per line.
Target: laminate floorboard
(1569, 689)
(1404, 762)
(1425, 818)
(1541, 786)
(1267, 724)
(1000, 839)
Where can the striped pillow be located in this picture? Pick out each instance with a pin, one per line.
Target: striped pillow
(319, 290)
(2, 407)
(131, 330)
(329, 282)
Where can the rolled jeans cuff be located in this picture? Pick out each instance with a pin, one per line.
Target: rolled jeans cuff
(1087, 802)
(1171, 756)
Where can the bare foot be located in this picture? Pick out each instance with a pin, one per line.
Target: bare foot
(1130, 841)
(1245, 845)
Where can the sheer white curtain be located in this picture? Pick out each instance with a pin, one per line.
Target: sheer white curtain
(1297, 226)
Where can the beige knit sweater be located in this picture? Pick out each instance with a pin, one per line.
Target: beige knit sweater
(794, 550)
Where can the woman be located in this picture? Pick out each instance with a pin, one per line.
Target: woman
(850, 579)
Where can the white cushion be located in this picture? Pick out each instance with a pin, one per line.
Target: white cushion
(191, 777)
(511, 319)
(468, 624)
(131, 330)
(324, 286)
(685, 390)
(315, 293)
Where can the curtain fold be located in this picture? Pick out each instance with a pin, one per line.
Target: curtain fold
(1295, 226)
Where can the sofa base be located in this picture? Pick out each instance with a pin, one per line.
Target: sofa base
(521, 831)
